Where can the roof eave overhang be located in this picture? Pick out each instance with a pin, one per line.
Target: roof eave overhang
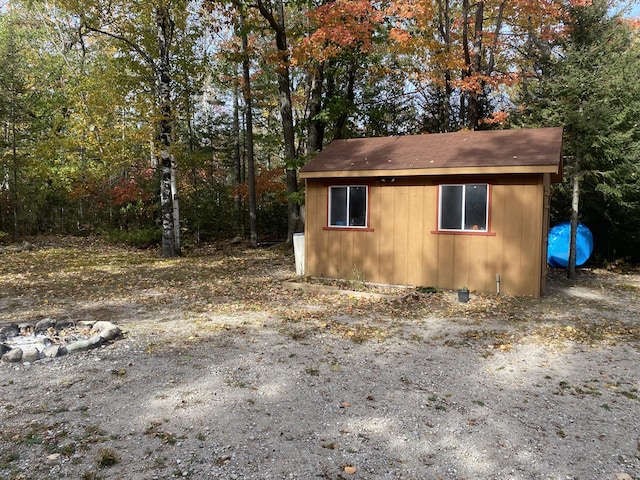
(554, 170)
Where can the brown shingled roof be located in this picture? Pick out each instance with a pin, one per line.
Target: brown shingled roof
(491, 151)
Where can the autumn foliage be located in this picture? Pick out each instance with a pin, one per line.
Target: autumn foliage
(341, 25)
(269, 182)
(81, 117)
(468, 51)
(129, 189)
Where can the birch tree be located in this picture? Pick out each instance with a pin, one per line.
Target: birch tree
(148, 34)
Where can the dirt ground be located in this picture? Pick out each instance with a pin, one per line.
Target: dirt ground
(223, 374)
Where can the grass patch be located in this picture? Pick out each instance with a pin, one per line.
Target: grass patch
(107, 457)
(143, 238)
(631, 395)
(426, 290)
(92, 434)
(7, 458)
(32, 439)
(90, 475)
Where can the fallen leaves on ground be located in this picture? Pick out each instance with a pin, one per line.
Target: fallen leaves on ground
(223, 280)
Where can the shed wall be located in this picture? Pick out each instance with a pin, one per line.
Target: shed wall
(402, 245)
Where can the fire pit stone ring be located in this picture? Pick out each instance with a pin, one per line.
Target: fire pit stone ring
(48, 338)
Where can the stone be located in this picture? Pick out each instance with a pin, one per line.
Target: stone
(53, 351)
(106, 330)
(13, 355)
(110, 333)
(10, 330)
(45, 324)
(87, 344)
(30, 354)
(100, 325)
(79, 346)
(62, 325)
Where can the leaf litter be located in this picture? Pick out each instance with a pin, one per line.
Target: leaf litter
(221, 362)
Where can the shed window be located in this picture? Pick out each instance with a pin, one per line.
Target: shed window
(348, 206)
(464, 207)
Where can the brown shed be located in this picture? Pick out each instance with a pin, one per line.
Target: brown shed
(445, 210)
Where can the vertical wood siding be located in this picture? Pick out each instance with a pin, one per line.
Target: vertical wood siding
(405, 249)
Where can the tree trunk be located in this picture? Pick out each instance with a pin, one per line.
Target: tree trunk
(444, 26)
(251, 175)
(175, 206)
(467, 60)
(276, 22)
(168, 198)
(194, 173)
(237, 158)
(473, 115)
(575, 202)
(13, 113)
(491, 63)
(341, 121)
(166, 202)
(315, 132)
(14, 156)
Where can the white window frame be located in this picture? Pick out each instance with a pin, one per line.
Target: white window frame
(330, 221)
(463, 209)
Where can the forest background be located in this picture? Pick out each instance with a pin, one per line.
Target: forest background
(174, 122)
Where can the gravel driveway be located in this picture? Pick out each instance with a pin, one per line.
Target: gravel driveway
(347, 388)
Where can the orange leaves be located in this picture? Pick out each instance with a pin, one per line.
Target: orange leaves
(634, 23)
(476, 82)
(342, 25)
(496, 118)
(131, 188)
(473, 83)
(268, 181)
(470, 48)
(399, 35)
(125, 191)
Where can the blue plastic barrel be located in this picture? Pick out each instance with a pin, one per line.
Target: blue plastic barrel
(559, 240)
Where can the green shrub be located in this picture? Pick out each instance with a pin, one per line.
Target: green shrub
(142, 238)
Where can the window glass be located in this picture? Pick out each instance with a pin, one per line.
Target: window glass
(475, 207)
(463, 207)
(357, 206)
(338, 206)
(451, 207)
(348, 206)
